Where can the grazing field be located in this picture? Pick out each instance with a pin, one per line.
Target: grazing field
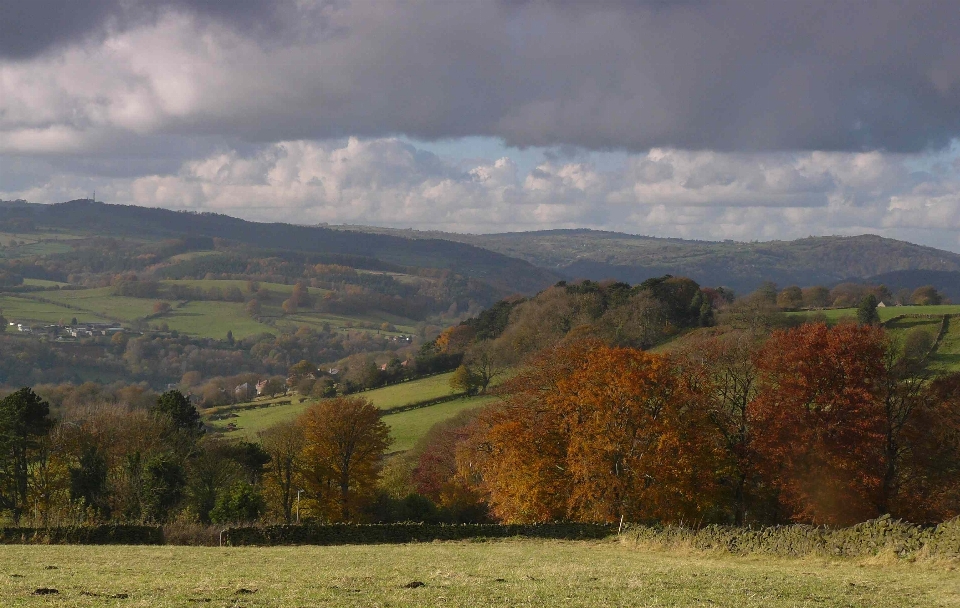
(947, 356)
(480, 574)
(204, 318)
(406, 427)
(423, 389)
(886, 313)
(24, 310)
(901, 327)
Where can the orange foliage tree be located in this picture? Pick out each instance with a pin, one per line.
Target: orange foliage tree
(720, 368)
(927, 479)
(593, 433)
(819, 420)
(344, 442)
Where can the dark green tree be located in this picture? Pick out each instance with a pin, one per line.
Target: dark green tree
(24, 421)
(88, 481)
(163, 484)
(242, 503)
(867, 310)
(173, 406)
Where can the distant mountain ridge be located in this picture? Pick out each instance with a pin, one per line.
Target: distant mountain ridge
(826, 260)
(526, 262)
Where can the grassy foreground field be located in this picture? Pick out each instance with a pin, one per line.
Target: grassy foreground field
(496, 573)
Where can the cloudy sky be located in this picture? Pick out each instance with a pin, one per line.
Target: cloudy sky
(747, 119)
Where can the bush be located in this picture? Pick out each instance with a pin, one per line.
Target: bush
(882, 535)
(242, 503)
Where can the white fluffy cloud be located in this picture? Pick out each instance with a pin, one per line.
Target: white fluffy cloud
(663, 192)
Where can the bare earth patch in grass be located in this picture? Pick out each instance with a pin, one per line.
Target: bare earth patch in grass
(482, 574)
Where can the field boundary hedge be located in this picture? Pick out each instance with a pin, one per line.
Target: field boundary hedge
(416, 405)
(83, 535)
(883, 535)
(378, 534)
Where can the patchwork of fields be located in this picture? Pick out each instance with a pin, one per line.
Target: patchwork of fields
(202, 318)
(480, 574)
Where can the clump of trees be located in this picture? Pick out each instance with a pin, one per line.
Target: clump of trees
(817, 424)
(110, 462)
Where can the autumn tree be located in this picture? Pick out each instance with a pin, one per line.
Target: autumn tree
(485, 364)
(926, 296)
(344, 441)
(284, 443)
(928, 478)
(253, 308)
(721, 370)
(593, 433)
(790, 297)
(820, 423)
(161, 308)
(300, 295)
(816, 297)
(464, 381)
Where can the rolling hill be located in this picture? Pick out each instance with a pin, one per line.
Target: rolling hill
(87, 217)
(826, 260)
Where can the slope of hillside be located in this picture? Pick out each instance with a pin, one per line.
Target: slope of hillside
(509, 274)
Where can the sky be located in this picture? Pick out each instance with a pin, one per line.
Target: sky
(746, 120)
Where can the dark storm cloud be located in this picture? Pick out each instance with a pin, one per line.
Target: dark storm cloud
(847, 75)
(31, 27)
(851, 75)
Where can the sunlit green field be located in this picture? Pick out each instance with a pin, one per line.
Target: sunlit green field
(406, 427)
(947, 356)
(20, 309)
(901, 327)
(468, 574)
(885, 313)
(422, 389)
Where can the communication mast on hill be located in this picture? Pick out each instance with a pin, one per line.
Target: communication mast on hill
(94, 196)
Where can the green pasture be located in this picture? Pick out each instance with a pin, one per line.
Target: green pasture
(886, 313)
(103, 301)
(947, 356)
(205, 318)
(20, 309)
(251, 421)
(898, 329)
(408, 427)
(423, 389)
(514, 572)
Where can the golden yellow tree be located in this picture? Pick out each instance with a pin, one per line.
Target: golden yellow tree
(344, 443)
(284, 442)
(593, 433)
